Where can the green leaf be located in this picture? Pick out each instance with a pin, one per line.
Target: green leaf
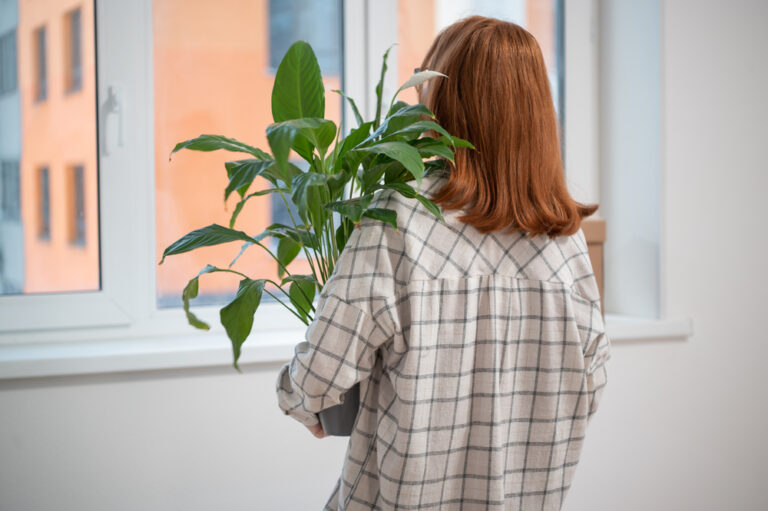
(402, 152)
(241, 203)
(301, 293)
(380, 87)
(215, 142)
(351, 208)
(300, 186)
(302, 235)
(421, 127)
(287, 250)
(213, 234)
(457, 142)
(298, 90)
(190, 292)
(372, 176)
(354, 138)
(342, 233)
(405, 190)
(383, 214)
(395, 107)
(237, 316)
(301, 135)
(241, 174)
(352, 103)
(296, 276)
(429, 147)
(431, 206)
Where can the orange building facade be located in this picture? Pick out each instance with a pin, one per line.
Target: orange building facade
(58, 112)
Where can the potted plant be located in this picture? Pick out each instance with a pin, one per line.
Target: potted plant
(384, 153)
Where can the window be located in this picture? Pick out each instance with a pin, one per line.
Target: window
(77, 205)
(74, 71)
(44, 198)
(41, 77)
(8, 63)
(194, 77)
(297, 20)
(419, 23)
(10, 191)
(53, 245)
(227, 91)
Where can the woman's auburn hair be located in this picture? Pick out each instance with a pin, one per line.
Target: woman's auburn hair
(496, 95)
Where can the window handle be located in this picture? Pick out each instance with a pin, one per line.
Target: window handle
(112, 106)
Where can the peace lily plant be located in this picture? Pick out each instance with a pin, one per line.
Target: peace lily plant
(384, 153)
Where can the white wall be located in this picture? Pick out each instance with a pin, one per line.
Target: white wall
(190, 440)
(681, 426)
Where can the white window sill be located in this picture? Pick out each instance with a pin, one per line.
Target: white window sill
(36, 360)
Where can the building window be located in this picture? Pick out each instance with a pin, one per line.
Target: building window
(297, 20)
(44, 226)
(74, 70)
(41, 76)
(11, 190)
(8, 63)
(77, 205)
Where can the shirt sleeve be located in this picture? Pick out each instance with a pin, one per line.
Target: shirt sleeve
(597, 351)
(352, 320)
(596, 348)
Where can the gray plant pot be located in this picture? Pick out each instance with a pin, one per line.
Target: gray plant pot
(339, 420)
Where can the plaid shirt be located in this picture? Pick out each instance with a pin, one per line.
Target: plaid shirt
(481, 359)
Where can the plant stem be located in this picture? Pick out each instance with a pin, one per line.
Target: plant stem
(284, 305)
(306, 253)
(288, 295)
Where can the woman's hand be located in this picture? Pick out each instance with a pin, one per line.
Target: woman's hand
(317, 430)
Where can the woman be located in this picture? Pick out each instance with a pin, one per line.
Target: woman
(478, 343)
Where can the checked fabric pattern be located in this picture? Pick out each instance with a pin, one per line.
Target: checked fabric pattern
(481, 357)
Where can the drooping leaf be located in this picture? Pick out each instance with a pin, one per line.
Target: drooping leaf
(405, 190)
(298, 90)
(402, 152)
(431, 206)
(287, 250)
(383, 214)
(215, 142)
(241, 174)
(213, 234)
(237, 316)
(190, 292)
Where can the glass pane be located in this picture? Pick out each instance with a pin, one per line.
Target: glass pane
(419, 23)
(213, 71)
(49, 240)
